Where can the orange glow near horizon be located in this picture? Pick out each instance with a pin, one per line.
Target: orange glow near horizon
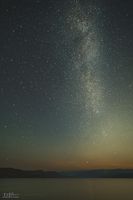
(72, 165)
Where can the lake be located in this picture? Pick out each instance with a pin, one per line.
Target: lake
(67, 189)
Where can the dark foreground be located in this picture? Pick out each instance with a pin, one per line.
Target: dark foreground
(67, 189)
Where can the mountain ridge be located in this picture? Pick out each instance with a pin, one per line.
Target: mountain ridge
(91, 173)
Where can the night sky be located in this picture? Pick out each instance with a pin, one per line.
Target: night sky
(66, 84)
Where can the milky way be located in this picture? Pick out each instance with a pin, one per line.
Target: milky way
(86, 57)
(86, 62)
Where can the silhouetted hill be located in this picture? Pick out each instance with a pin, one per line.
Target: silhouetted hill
(98, 173)
(17, 173)
(101, 173)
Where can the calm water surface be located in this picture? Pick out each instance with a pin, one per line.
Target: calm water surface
(68, 189)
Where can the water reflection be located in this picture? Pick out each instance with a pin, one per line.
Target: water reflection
(68, 189)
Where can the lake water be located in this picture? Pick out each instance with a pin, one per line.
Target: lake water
(67, 189)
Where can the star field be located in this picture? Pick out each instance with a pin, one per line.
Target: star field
(66, 84)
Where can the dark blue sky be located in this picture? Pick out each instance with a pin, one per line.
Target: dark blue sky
(66, 84)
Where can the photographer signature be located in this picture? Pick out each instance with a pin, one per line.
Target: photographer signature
(9, 195)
